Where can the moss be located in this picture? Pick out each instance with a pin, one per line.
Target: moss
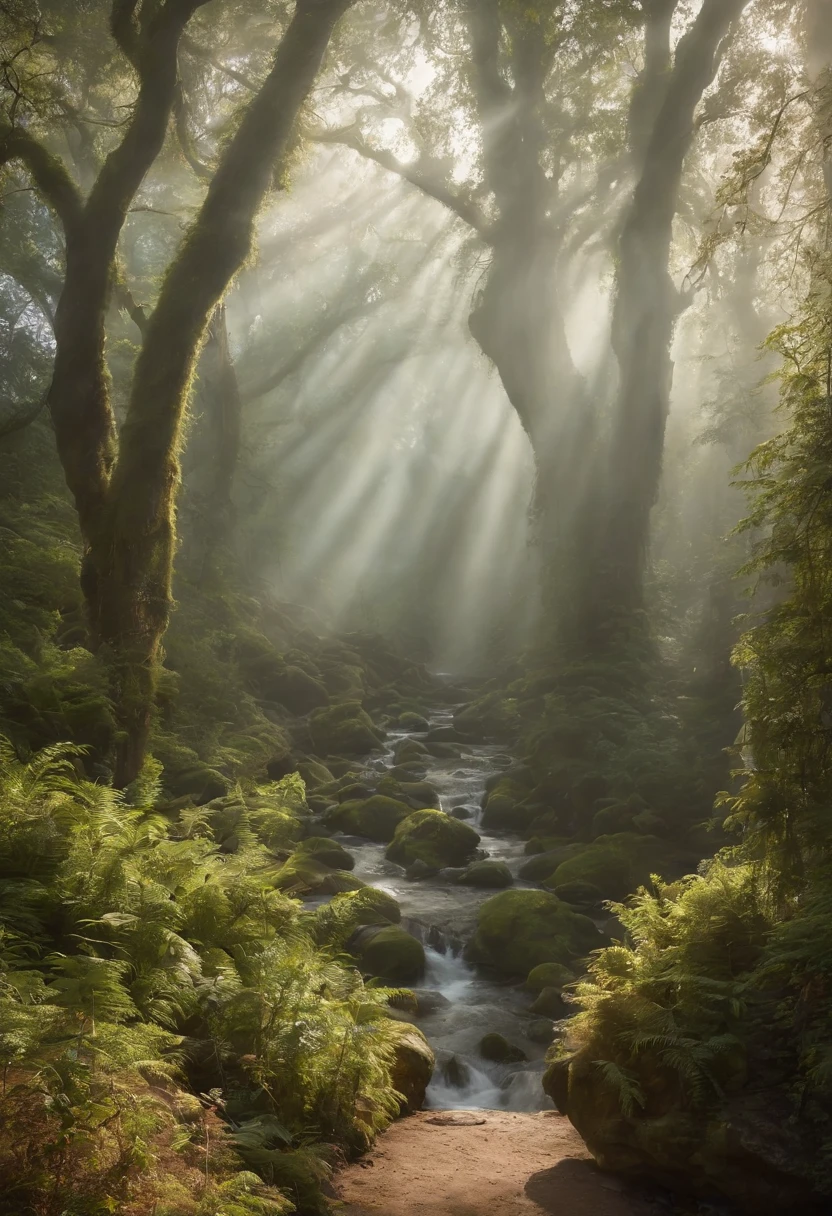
(413, 721)
(434, 838)
(543, 865)
(519, 929)
(376, 818)
(488, 874)
(328, 852)
(583, 894)
(550, 1004)
(314, 773)
(498, 1050)
(390, 953)
(344, 730)
(419, 794)
(616, 865)
(303, 874)
(336, 922)
(549, 975)
(409, 750)
(412, 1068)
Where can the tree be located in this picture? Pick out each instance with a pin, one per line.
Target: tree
(125, 484)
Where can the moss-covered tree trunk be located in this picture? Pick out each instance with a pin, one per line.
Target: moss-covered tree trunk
(647, 306)
(125, 485)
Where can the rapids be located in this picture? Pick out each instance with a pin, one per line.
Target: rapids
(443, 915)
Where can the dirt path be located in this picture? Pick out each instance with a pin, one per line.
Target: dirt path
(482, 1163)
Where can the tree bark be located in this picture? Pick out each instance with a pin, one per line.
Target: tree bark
(646, 309)
(133, 558)
(125, 486)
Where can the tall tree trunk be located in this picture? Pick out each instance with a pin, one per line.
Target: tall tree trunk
(133, 553)
(125, 486)
(646, 309)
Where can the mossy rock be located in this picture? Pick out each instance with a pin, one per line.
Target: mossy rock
(389, 953)
(329, 852)
(462, 812)
(549, 975)
(519, 929)
(344, 730)
(488, 874)
(314, 773)
(377, 818)
(543, 865)
(413, 1065)
(503, 809)
(411, 721)
(336, 922)
(434, 838)
(611, 819)
(297, 690)
(199, 782)
(409, 751)
(582, 894)
(420, 795)
(354, 791)
(303, 874)
(444, 751)
(616, 865)
(408, 772)
(498, 1050)
(550, 1004)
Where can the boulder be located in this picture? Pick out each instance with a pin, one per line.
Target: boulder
(411, 721)
(412, 772)
(428, 1001)
(498, 1050)
(409, 751)
(198, 781)
(541, 1031)
(420, 795)
(298, 691)
(375, 818)
(336, 922)
(519, 929)
(487, 874)
(455, 1072)
(502, 806)
(549, 975)
(419, 870)
(304, 874)
(543, 865)
(389, 953)
(549, 1003)
(314, 773)
(412, 1070)
(434, 838)
(443, 751)
(462, 812)
(344, 730)
(581, 894)
(615, 865)
(329, 852)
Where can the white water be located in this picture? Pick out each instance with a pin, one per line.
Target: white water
(443, 915)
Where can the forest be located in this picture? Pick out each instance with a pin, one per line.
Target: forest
(415, 607)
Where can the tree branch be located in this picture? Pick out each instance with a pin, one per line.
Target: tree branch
(419, 174)
(48, 172)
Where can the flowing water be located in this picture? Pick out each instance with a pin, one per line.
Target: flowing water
(463, 1004)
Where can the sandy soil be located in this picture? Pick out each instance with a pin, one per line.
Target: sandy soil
(482, 1163)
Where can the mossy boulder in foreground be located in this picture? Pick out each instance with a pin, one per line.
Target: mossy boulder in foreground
(304, 874)
(614, 865)
(389, 953)
(413, 1067)
(487, 874)
(329, 852)
(433, 837)
(519, 930)
(344, 730)
(376, 818)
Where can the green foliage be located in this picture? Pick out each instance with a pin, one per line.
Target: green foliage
(137, 960)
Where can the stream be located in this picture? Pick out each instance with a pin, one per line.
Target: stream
(461, 1004)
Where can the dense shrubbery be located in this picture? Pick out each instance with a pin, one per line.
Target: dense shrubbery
(167, 1020)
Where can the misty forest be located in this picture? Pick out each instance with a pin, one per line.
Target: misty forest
(415, 607)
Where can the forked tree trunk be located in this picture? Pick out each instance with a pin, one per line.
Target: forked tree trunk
(125, 487)
(646, 309)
